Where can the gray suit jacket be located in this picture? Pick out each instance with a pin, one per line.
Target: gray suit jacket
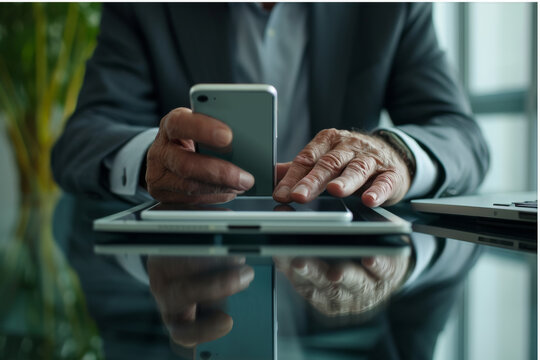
(363, 58)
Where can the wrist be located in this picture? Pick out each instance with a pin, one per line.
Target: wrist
(395, 142)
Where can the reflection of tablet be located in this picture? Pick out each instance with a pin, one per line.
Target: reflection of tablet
(372, 231)
(253, 208)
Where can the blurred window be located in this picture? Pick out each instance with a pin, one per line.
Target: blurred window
(499, 46)
(506, 137)
(493, 47)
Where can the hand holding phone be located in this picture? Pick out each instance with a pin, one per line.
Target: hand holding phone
(250, 111)
(190, 290)
(175, 172)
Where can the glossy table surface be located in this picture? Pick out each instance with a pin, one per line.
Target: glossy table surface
(61, 300)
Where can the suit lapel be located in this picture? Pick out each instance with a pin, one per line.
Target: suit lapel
(332, 32)
(202, 34)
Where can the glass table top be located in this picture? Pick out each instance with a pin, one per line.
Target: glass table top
(61, 300)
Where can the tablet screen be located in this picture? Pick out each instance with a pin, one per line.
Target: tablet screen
(257, 203)
(253, 207)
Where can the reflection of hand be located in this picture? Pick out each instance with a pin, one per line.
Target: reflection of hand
(283, 207)
(344, 287)
(176, 173)
(343, 163)
(181, 285)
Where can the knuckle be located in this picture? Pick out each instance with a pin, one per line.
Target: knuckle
(332, 162)
(327, 135)
(361, 166)
(328, 132)
(386, 182)
(306, 157)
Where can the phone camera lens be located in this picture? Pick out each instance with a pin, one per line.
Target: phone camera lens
(202, 98)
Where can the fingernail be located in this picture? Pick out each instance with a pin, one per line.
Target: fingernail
(372, 195)
(222, 137)
(246, 180)
(301, 190)
(283, 192)
(246, 275)
(301, 271)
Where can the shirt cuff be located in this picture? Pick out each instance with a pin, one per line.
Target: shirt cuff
(126, 165)
(424, 250)
(425, 176)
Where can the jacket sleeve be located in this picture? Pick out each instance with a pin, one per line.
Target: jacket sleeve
(116, 103)
(425, 101)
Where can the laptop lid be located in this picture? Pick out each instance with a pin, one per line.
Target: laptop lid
(518, 206)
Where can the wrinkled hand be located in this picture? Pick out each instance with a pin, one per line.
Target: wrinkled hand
(344, 163)
(181, 285)
(176, 173)
(345, 287)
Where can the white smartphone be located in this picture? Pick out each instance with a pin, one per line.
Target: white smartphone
(250, 110)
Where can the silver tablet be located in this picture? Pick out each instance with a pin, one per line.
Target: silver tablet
(335, 219)
(370, 232)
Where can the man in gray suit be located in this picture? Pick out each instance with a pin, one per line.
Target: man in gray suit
(336, 68)
(345, 64)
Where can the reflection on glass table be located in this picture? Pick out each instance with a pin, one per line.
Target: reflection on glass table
(349, 307)
(197, 302)
(376, 306)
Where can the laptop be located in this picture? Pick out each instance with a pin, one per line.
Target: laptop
(315, 229)
(518, 207)
(507, 220)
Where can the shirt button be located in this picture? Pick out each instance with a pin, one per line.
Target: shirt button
(271, 32)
